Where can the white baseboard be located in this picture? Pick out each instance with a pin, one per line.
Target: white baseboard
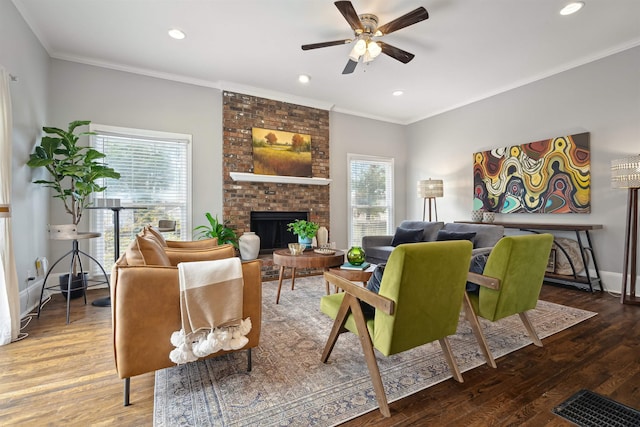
(30, 297)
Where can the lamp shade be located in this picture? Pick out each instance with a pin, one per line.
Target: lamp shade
(625, 173)
(429, 188)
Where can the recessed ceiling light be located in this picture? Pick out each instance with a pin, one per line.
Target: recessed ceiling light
(304, 78)
(176, 34)
(397, 93)
(572, 7)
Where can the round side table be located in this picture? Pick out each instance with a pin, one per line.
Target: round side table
(308, 259)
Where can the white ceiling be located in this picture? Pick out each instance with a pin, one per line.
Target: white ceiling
(467, 50)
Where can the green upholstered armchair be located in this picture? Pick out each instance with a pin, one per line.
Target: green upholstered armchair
(510, 284)
(419, 302)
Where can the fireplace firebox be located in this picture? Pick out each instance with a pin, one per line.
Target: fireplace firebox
(271, 227)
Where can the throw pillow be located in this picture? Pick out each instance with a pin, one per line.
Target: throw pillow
(149, 232)
(407, 235)
(456, 235)
(143, 251)
(193, 244)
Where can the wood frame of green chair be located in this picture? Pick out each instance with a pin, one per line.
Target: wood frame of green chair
(350, 305)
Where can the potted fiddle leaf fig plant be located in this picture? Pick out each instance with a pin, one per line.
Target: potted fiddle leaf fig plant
(75, 170)
(305, 230)
(75, 173)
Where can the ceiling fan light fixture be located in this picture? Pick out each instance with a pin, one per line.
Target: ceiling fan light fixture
(374, 49)
(571, 8)
(358, 50)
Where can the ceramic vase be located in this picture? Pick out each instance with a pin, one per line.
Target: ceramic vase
(488, 217)
(249, 244)
(476, 216)
(356, 255)
(323, 236)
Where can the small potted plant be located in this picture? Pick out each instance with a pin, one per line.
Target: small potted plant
(75, 172)
(305, 230)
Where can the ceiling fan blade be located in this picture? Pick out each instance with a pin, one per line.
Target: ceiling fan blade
(325, 44)
(396, 53)
(413, 17)
(350, 67)
(350, 14)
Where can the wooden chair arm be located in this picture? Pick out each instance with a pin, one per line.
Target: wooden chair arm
(379, 302)
(482, 280)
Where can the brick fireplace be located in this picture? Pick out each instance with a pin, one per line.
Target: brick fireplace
(240, 114)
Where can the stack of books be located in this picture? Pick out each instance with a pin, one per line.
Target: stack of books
(349, 266)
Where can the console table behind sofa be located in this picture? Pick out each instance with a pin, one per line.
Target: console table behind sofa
(574, 279)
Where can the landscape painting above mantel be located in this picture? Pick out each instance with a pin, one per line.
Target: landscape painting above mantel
(548, 176)
(282, 153)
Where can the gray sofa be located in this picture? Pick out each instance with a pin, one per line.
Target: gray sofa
(378, 248)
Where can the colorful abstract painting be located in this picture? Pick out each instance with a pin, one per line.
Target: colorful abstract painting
(549, 176)
(283, 153)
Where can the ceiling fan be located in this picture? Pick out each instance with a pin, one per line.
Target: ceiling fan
(365, 29)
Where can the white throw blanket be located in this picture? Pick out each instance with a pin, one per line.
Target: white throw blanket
(211, 309)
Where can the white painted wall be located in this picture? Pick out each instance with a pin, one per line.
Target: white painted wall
(602, 98)
(352, 134)
(115, 98)
(23, 56)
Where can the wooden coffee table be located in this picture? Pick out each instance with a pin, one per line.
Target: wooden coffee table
(308, 259)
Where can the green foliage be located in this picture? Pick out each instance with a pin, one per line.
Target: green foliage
(217, 229)
(75, 170)
(370, 189)
(303, 228)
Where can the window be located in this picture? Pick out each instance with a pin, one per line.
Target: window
(155, 179)
(370, 197)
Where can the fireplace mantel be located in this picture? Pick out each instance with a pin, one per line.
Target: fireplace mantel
(251, 177)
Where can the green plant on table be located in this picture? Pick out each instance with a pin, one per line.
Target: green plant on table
(303, 228)
(216, 228)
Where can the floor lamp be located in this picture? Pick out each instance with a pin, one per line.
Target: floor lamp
(625, 173)
(430, 189)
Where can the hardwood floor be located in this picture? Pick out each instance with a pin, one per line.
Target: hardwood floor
(64, 374)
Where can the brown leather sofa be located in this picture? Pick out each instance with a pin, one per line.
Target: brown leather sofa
(145, 301)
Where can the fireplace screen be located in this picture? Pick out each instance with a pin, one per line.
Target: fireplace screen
(271, 227)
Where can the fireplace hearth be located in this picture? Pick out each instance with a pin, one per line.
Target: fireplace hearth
(271, 227)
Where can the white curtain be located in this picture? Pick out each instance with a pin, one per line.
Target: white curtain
(9, 294)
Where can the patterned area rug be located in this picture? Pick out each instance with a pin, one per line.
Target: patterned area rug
(289, 386)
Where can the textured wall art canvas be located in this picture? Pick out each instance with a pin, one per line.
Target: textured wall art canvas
(283, 153)
(549, 176)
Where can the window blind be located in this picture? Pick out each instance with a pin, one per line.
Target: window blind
(154, 178)
(370, 197)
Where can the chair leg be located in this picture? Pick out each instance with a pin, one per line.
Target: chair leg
(336, 330)
(127, 385)
(249, 360)
(472, 318)
(451, 361)
(530, 329)
(369, 355)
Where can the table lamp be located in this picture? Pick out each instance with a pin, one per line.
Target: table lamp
(625, 173)
(430, 189)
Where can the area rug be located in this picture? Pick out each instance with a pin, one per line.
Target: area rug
(289, 386)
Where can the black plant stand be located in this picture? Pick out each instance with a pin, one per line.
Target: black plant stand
(75, 253)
